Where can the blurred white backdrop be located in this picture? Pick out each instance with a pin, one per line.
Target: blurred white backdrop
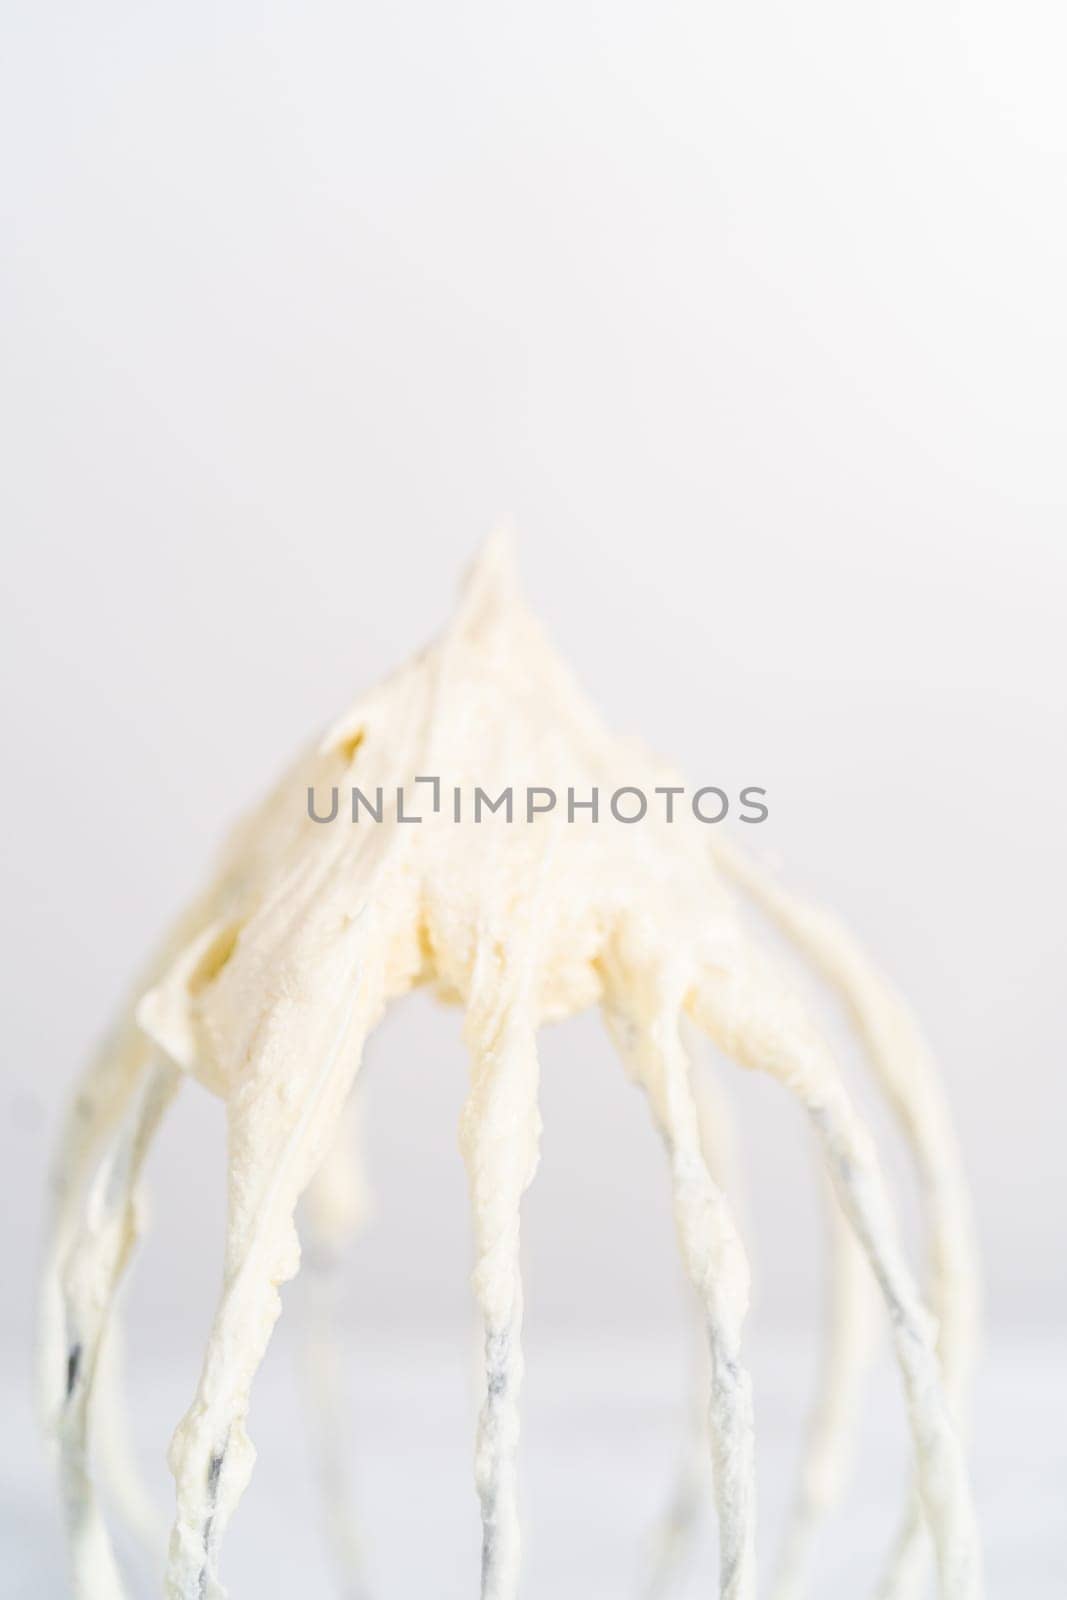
(751, 321)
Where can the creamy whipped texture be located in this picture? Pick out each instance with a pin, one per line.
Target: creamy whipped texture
(269, 987)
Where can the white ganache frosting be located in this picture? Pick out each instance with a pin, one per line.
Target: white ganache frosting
(269, 987)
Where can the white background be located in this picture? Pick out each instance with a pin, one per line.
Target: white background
(751, 320)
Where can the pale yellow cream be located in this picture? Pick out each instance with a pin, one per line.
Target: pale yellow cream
(269, 988)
